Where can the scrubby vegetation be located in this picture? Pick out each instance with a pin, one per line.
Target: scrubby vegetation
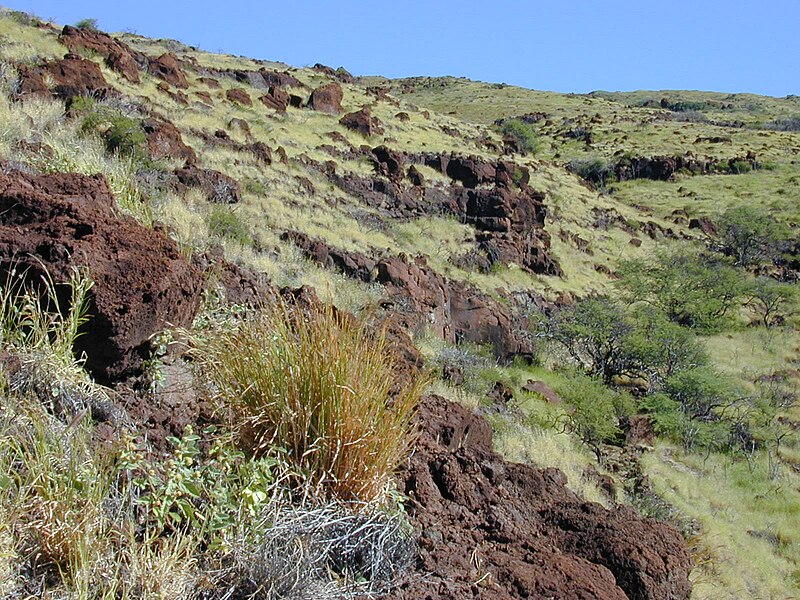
(660, 369)
(88, 520)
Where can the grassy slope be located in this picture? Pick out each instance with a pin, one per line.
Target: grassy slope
(275, 199)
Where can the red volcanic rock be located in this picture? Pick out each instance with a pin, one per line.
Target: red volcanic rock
(167, 68)
(705, 225)
(31, 82)
(239, 284)
(544, 390)
(275, 98)
(279, 79)
(209, 82)
(72, 76)
(165, 140)
(240, 125)
(327, 99)
(341, 73)
(142, 283)
(176, 95)
(452, 310)
(470, 172)
(118, 56)
(205, 98)
(416, 178)
(494, 529)
(239, 95)
(218, 187)
(388, 162)
(262, 152)
(352, 264)
(362, 121)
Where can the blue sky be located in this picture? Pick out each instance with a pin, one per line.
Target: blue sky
(565, 46)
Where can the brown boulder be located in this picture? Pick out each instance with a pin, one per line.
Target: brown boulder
(262, 152)
(327, 99)
(494, 529)
(167, 68)
(543, 390)
(142, 283)
(454, 311)
(705, 225)
(209, 82)
(118, 56)
(362, 122)
(275, 98)
(341, 73)
(218, 187)
(388, 163)
(176, 95)
(279, 79)
(240, 125)
(205, 98)
(75, 76)
(470, 172)
(165, 140)
(416, 178)
(238, 284)
(31, 82)
(352, 264)
(239, 96)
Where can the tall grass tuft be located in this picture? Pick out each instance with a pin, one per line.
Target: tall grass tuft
(318, 387)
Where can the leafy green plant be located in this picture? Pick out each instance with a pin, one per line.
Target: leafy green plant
(208, 493)
(693, 290)
(771, 300)
(90, 24)
(121, 134)
(751, 236)
(597, 409)
(226, 223)
(319, 386)
(523, 133)
(702, 392)
(594, 169)
(608, 342)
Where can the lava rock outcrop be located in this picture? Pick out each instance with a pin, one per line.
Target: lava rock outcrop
(51, 224)
(495, 529)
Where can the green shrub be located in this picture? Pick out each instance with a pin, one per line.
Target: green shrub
(702, 392)
(665, 413)
(524, 133)
(597, 408)
(225, 222)
(90, 24)
(739, 166)
(693, 290)
(121, 134)
(751, 236)
(320, 387)
(608, 342)
(594, 169)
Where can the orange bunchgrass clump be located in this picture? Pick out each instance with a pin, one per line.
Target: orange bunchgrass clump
(319, 388)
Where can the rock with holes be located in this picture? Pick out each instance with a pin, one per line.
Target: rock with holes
(142, 284)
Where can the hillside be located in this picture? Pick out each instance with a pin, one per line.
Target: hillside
(272, 331)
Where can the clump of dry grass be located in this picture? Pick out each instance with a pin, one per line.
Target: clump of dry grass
(317, 385)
